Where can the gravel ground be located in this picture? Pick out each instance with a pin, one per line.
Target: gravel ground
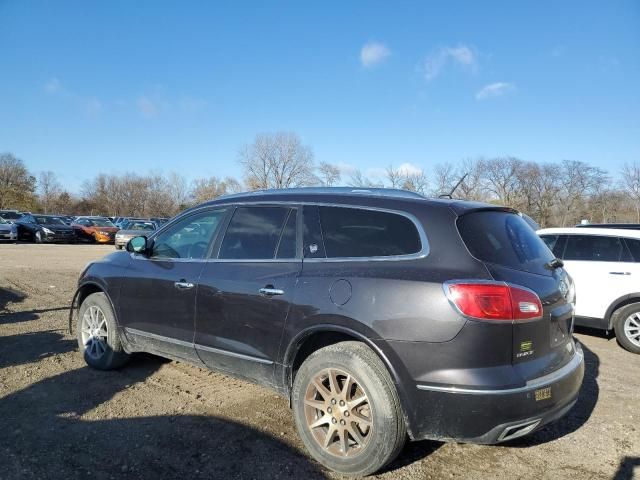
(159, 419)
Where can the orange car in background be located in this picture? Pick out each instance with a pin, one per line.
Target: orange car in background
(95, 229)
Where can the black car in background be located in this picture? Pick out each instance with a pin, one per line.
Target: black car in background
(11, 215)
(44, 229)
(380, 314)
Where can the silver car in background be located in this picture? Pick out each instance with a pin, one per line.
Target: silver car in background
(8, 231)
(134, 229)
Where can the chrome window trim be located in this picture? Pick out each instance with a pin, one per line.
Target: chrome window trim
(197, 346)
(424, 242)
(534, 384)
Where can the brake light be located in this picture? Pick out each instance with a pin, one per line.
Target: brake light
(494, 301)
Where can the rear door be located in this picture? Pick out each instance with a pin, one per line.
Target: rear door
(513, 253)
(601, 268)
(246, 291)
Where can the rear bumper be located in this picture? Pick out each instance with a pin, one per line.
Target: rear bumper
(493, 416)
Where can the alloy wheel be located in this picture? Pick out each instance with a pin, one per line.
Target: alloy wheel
(632, 328)
(338, 413)
(94, 332)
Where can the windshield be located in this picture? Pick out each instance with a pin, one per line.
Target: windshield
(2, 220)
(10, 215)
(49, 220)
(141, 226)
(101, 222)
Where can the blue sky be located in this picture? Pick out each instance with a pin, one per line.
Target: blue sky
(90, 87)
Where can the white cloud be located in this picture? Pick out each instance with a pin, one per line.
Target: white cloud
(147, 107)
(409, 169)
(461, 56)
(52, 86)
(493, 90)
(373, 53)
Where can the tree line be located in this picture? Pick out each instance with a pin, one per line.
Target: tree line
(555, 194)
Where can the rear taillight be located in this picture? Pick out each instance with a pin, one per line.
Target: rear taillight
(494, 301)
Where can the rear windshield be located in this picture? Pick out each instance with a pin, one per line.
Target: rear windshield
(504, 239)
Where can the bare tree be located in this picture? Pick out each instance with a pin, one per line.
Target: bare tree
(204, 189)
(359, 180)
(631, 184)
(48, 189)
(329, 174)
(501, 178)
(17, 185)
(577, 183)
(394, 177)
(415, 182)
(278, 160)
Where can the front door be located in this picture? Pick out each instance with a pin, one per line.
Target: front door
(158, 294)
(246, 291)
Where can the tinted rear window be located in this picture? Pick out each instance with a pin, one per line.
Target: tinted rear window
(593, 248)
(504, 239)
(351, 232)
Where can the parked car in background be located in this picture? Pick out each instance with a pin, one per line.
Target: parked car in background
(623, 226)
(44, 228)
(8, 231)
(68, 219)
(10, 215)
(134, 229)
(159, 220)
(605, 266)
(95, 229)
(380, 314)
(124, 224)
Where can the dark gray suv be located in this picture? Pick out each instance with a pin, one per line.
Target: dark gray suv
(381, 314)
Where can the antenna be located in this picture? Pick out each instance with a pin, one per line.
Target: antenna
(450, 194)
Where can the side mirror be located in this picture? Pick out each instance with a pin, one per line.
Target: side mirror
(137, 245)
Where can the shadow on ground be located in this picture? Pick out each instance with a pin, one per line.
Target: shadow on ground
(9, 295)
(46, 436)
(32, 347)
(627, 467)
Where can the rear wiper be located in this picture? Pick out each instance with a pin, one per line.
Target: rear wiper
(553, 264)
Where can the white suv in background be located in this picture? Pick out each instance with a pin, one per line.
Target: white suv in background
(605, 266)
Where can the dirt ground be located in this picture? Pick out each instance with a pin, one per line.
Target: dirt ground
(159, 419)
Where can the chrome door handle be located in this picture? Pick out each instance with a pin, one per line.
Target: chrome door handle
(182, 285)
(269, 292)
(619, 273)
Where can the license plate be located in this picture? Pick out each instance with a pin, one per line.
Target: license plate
(543, 394)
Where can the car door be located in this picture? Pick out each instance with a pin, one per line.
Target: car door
(158, 293)
(246, 291)
(595, 262)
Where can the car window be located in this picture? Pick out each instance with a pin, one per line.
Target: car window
(189, 238)
(504, 239)
(253, 233)
(555, 243)
(634, 248)
(352, 232)
(595, 248)
(287, 245)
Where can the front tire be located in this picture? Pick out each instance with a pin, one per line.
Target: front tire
(627, 327)
(97, 332)
(347, 409)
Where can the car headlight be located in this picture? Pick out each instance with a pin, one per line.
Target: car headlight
(47, 231)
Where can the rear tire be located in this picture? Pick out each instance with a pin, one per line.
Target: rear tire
(347, 409)
(97, 332)
(626, 324)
